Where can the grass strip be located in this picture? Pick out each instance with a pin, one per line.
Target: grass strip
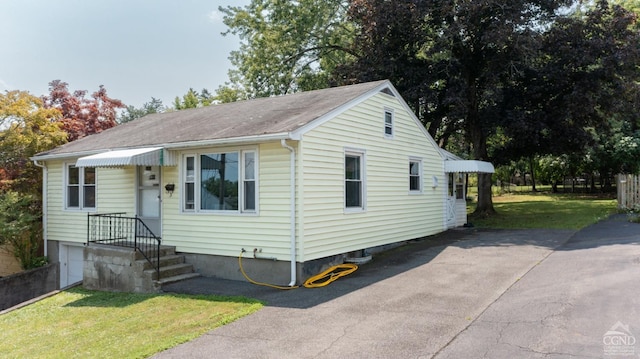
(552, 211)
(79, 323)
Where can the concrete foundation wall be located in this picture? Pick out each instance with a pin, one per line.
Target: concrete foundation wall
(114, 269)
(23, 286)
(53, 251)
(260, 270)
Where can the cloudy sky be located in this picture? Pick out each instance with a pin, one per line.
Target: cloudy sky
(135, 48)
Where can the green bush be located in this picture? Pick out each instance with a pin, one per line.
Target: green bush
(21, 227)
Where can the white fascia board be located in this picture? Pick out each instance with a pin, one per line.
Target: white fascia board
(228, 141)
(61, 156)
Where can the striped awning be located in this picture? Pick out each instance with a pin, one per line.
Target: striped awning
(468, 166)
(147, 156)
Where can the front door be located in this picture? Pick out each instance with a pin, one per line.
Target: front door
(149, 197)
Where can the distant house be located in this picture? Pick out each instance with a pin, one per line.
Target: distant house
(297, 181)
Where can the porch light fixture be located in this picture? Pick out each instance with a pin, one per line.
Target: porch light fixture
(170, 187)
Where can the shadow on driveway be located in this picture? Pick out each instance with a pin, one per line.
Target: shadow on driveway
(617, 229)
(384, 265)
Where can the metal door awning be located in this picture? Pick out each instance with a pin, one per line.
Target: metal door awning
(468, 166)
(147, 156)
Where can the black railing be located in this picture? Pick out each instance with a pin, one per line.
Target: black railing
(117, 229)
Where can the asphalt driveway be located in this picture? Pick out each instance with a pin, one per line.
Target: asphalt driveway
(464, 293)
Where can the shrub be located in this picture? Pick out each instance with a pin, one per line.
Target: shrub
(21, 226)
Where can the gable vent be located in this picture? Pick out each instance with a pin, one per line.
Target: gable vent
(387, 91)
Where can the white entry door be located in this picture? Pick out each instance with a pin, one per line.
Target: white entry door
(71, 264)
(149, 197)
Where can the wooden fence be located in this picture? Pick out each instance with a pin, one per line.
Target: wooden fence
(628, 191)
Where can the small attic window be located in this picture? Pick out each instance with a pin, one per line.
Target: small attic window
(388, 123)
(387, 91)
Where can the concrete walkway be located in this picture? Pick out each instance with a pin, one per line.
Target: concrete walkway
(410, 302)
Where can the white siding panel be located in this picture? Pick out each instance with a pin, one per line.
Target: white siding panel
(392, 214)
(226, 234)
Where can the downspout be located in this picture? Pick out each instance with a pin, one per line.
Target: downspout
(292, 171)
(45, 176)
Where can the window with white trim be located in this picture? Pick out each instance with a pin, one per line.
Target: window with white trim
(80, 187)
(354, 184)
(220, 181)
(415, 175)
(189, 183)
(249, 181)
(388, 122)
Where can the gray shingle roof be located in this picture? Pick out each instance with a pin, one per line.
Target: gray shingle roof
(257, 117)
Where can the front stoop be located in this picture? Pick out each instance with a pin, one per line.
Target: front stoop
(123, 269)
(172, 268)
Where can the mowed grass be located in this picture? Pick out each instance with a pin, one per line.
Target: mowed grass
(78, 323)
(545, 210)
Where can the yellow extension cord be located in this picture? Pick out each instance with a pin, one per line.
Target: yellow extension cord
(318, 280)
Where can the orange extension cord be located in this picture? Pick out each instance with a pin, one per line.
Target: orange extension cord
(318, 280)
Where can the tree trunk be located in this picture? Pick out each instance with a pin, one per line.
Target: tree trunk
(478, 139)
(485, 203)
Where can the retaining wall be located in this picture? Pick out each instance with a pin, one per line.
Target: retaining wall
(23, 286)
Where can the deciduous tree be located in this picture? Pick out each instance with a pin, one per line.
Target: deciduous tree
(26, 128)
(131, 113)
(287, 46)
(453, 61)
(82, 116)
(194, 99)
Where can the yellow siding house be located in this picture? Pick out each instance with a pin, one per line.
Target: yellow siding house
(292, 183)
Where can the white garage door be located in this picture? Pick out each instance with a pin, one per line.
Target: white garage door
(71, 264)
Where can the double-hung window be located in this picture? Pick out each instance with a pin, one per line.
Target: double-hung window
(388, 123)
(80, 188)
(415, 175)
(354, 181)
(220, 181)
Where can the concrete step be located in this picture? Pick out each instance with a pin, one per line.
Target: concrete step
(171, 270)
(177, 278)
(151, 253)
(164, 261)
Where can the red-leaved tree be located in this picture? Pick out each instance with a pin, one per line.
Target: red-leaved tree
(82, 116)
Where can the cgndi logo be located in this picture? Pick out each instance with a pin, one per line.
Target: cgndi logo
(619, 341)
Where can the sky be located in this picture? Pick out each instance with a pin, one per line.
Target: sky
(137, 49)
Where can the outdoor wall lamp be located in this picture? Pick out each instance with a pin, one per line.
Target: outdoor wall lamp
(170, 187)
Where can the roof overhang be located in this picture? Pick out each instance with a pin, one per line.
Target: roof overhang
(147, 156)
(468, 166)
(170, 148)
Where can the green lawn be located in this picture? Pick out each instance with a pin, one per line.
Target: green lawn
(78, 323)
(545, 210)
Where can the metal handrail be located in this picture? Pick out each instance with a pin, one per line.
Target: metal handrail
(117, 229)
